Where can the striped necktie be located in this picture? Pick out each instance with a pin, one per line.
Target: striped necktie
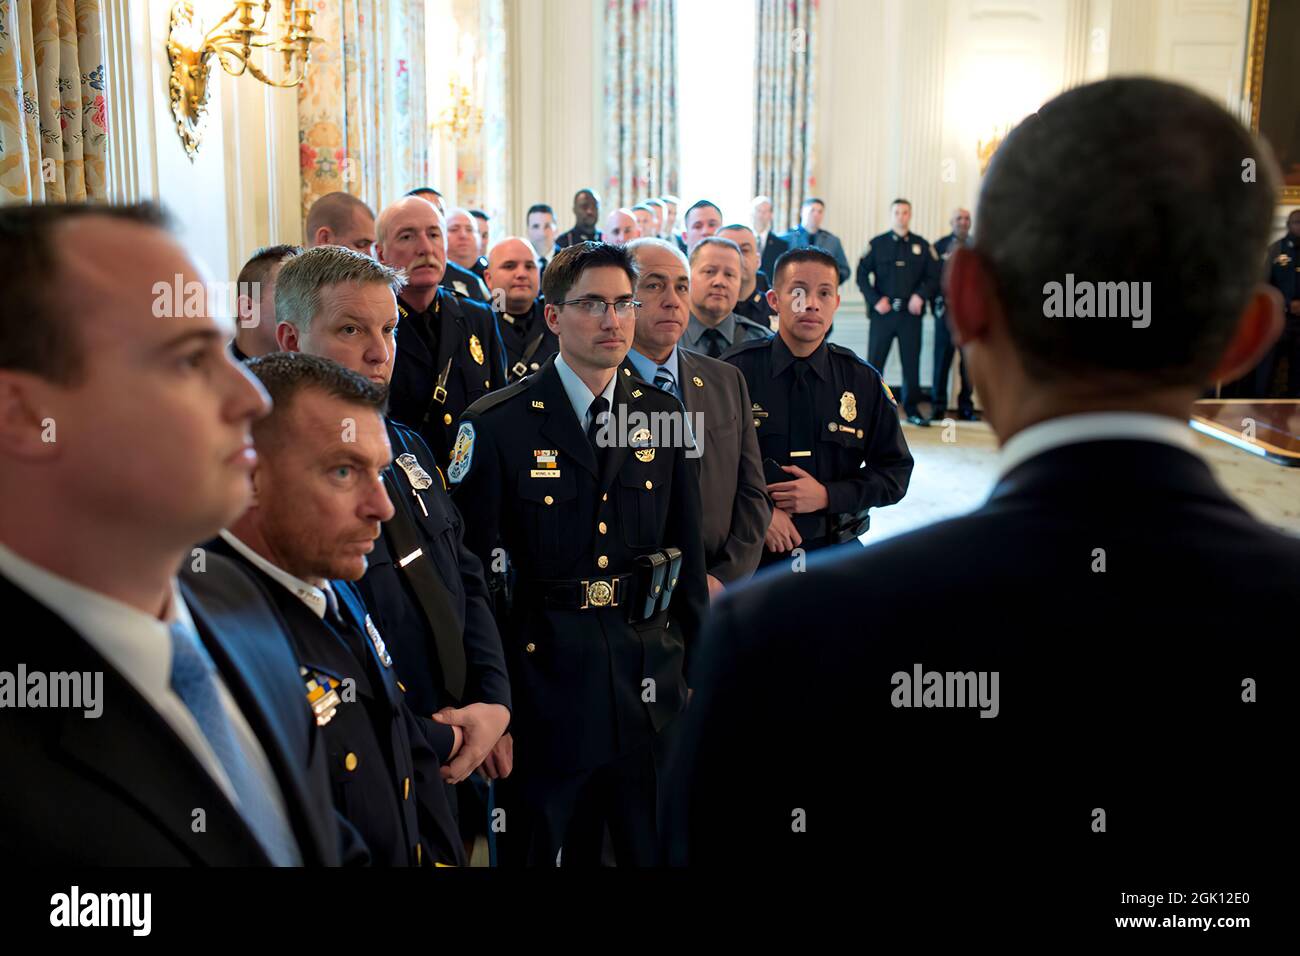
(664, 380)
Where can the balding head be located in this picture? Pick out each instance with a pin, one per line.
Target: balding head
(621, 227)
(512, 275)
(462, 238)
(412, 237)
(961, 223)
(341, 219)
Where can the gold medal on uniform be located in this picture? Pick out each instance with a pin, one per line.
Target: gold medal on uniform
(848, 407)
(476, 349)
(640, 441)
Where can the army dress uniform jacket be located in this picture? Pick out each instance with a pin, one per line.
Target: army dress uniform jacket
(858, 452)
(427, 593)
(383, 759)
(429, 392)
(527, 340)
(576, 675)
(898, 267)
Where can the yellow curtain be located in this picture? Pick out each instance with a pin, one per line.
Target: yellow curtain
(53, 123)
(362, 127)
(785, 106)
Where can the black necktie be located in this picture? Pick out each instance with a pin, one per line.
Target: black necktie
(802, 431)
(714, 343)
(597, 411)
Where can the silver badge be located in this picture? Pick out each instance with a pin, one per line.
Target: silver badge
(378, 641)
(417, 476)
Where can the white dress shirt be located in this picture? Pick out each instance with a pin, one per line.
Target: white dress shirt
(1093, 426)
(309, 594)
(139, 647)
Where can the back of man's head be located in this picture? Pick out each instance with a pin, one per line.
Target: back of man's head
(338, 213)
(1136, 182)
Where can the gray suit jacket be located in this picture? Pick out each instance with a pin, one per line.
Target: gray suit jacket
(737, 509)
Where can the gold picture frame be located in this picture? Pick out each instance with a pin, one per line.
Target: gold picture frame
(1281, 115)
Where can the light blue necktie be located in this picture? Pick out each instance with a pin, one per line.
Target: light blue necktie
(194, 680)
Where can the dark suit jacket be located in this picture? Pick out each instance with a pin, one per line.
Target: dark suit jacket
(733, 492)
(119, 790)
(1120, 689)
(387, 743)
(771, 252)
(576, 675)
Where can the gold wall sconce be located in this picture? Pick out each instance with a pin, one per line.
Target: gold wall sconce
(234, 41)
(985, 148)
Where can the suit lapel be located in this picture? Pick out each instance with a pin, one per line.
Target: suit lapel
(686, 372)
(244, 675)
(561, 425)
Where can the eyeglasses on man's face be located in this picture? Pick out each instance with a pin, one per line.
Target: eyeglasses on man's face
(596, 307)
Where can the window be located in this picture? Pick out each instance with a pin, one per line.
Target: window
(715, 104)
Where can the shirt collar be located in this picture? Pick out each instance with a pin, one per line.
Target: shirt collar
(580, 396)
(1093, 426)
(695, 330)
(646, 367)
(901, 238)
(137, 644)
(309, 594)
(783, 358)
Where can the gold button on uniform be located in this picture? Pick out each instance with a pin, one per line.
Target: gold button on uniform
(406, 788)
(446, 419)
(602, 527)
(530, 647)
(604, 497)
(350, 762)
(833, 426)
(602, 561)
(549, 500)
(649, 485)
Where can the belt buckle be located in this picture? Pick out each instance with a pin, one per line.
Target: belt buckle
(520, 369)
(440, 395)
(599, 594)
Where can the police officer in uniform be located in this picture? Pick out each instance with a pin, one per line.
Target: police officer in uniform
(943, 344)
(513, 269)
(897, 275)
(752, 303)
(823, 416)
(586, 213)
(1284, 275)
(602, 531)
(449, 353)
(424, 588)
(304, 539)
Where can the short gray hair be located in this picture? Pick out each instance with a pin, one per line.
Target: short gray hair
(702, 244)
(653, 242)
(298, 287)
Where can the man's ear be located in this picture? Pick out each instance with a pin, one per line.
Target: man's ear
(552, 315)
(1259, 326)
(772, 300)
(244, 306)
(286, 337)
(324, 236)
(971, 296)
(28, 431)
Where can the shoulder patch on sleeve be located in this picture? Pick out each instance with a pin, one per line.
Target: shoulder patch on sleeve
(462, 453)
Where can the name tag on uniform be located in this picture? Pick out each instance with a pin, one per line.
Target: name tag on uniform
(545, 465)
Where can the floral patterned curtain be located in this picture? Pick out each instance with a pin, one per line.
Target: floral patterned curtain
(53, 127)
(640, 100)
(362, 126)
(785, 115)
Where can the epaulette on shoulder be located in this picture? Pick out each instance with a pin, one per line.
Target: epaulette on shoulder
(849, 353)
(749, 346)
(501, 395)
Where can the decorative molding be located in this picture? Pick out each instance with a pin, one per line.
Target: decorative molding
(132, 140)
